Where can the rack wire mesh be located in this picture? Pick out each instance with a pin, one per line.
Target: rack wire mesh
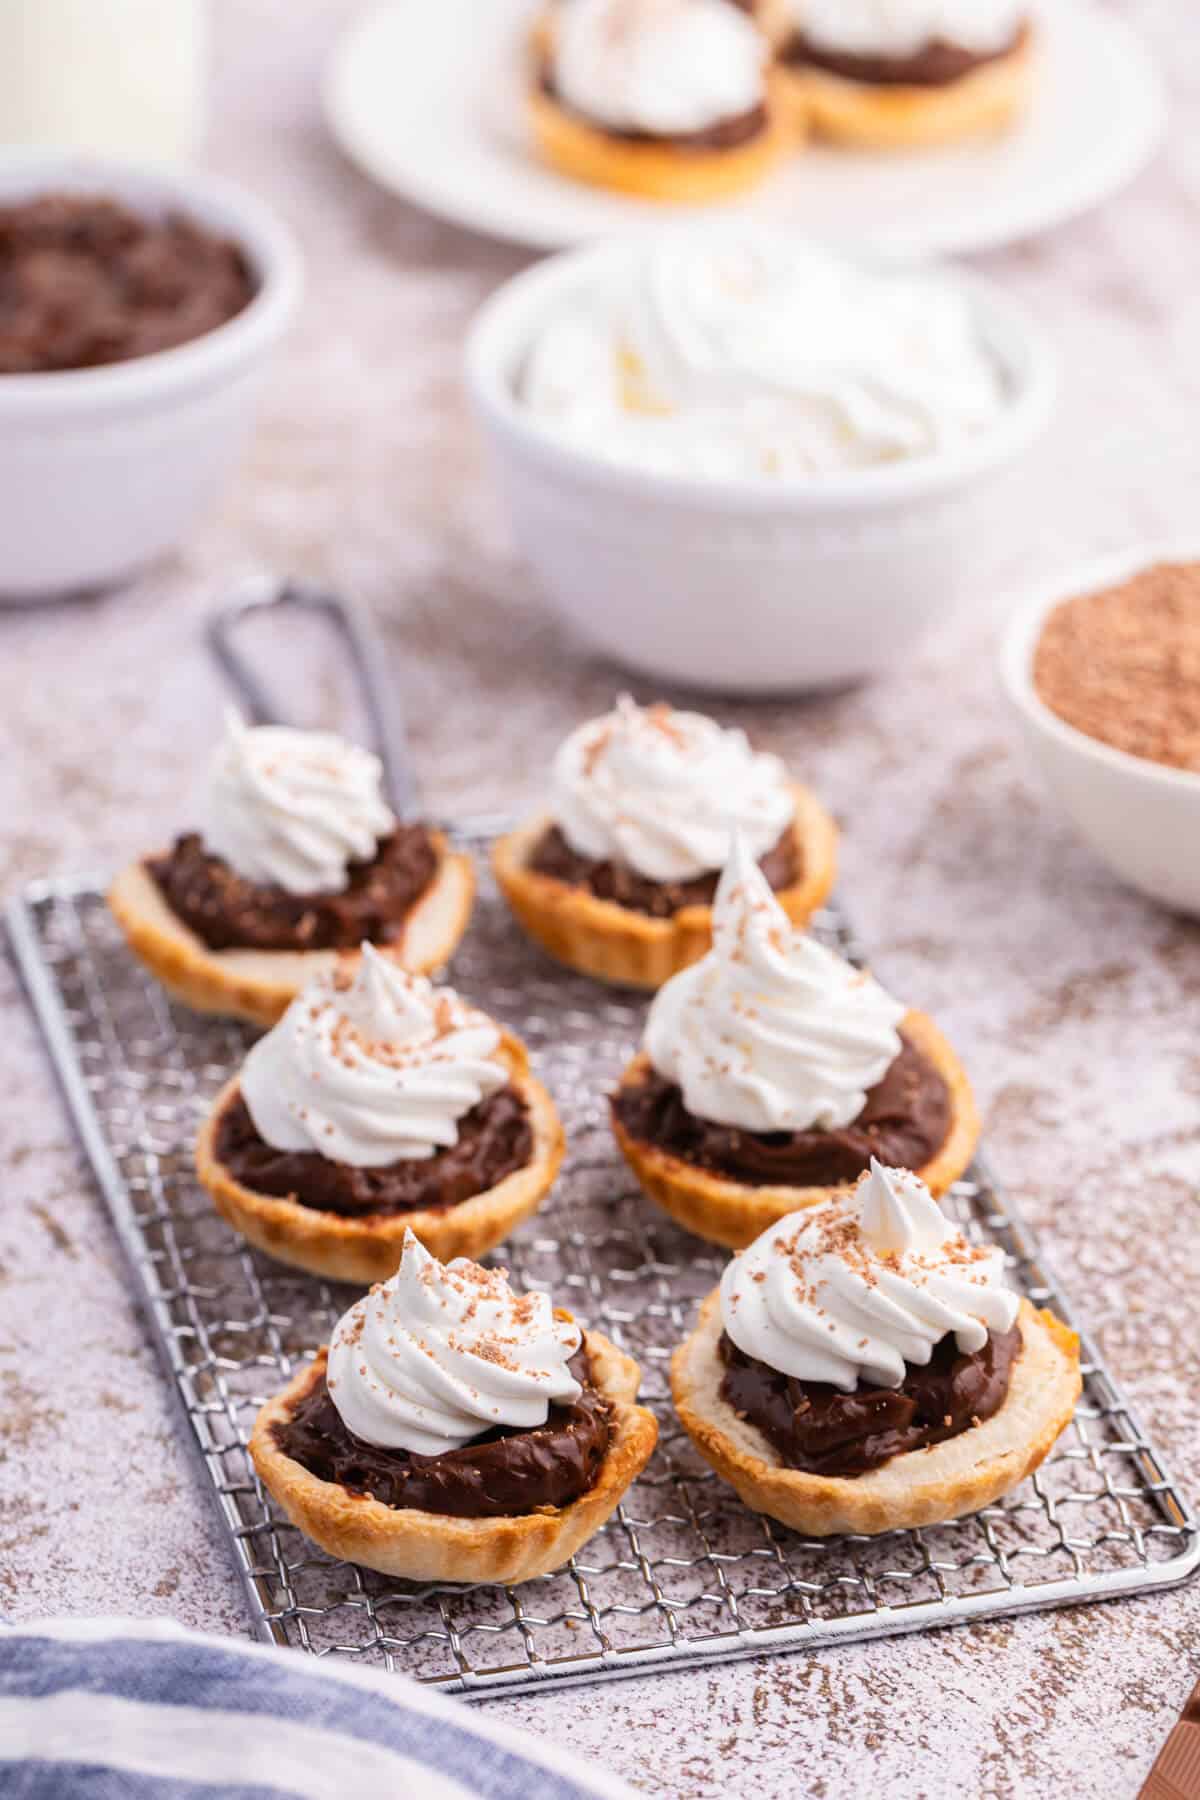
(683, 1572)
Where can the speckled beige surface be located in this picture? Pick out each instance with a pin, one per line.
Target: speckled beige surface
(1076, 1003)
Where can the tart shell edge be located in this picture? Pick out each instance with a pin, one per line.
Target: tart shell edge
(366, 1250)
(923, 1487)
(616, 944)
(733, 1213)
(424, 1546)
(259, 985)
(882, 117)
(660, 171)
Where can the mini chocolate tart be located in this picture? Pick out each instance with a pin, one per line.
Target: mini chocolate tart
(729, 158)
(941, 93)
(612, 924)
(878, 1460)
(347, 1223)
(726, 157)
(507, 1507)
(222, 944)
(728, 1186)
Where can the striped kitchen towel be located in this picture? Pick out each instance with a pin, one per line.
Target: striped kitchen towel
(127, 1709)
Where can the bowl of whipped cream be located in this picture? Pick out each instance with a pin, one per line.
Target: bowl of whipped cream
(745, 462)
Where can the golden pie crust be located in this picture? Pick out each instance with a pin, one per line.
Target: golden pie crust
(424, 1546)
(775, 19)
(657, 170)
(944, 1481)
(367, 1248)
(734, 1213)
(617, 944)
(877, 116)
(259, 985)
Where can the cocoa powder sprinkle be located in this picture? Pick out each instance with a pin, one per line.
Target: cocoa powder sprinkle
(1123, 665)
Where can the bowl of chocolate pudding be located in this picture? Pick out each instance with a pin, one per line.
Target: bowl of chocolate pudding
(139, 311)
(1104, 672)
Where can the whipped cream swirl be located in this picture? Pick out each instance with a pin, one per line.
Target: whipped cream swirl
(371, 1066)
(901, 28)
(664, 67)
(770, 1031)
(662, 792)
(442, 1352)
(737, 353)
(860, 1285)
(293, 809)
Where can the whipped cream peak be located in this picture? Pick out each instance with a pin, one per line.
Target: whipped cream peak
(293, 809)
(901, 28)
(738, 352)
(444, 1351)
(748, 922)
(389, 1009)
(370, 1065)
(863, 1285)
(896, 1212)
(662, 792)
(770, 1031)
(663, 67)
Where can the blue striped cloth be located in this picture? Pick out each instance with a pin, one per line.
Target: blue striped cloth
(111, 1709)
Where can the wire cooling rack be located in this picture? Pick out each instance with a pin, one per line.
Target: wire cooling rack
(683, 1572)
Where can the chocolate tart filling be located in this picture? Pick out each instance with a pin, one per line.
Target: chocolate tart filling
(904, 1123)
(553, 856)
(500, 1474)
(495, 1139)
(823, 1431)
(229, 913)
(724, 134)
(936, 64)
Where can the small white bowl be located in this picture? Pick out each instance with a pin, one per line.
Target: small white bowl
(745, 585)
(1140, 817)
(103, 469)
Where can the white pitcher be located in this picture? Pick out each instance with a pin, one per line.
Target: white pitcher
(120, 77)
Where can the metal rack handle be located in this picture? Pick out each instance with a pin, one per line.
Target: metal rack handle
(364, 650)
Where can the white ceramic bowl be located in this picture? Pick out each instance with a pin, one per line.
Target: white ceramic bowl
(1141, 818)
(103, 469)
(746, 585)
